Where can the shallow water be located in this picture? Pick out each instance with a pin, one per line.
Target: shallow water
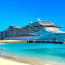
(41, 51)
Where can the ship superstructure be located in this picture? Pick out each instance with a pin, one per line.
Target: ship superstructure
(40, 30)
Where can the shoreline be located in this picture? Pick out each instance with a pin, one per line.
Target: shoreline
(23, 60)
(27, 61)
(5, 61)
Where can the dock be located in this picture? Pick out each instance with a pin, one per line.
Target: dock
(46, 41)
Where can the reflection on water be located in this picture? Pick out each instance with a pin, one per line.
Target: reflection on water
(52, 52)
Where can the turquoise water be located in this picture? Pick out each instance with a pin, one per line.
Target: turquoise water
(42, 51)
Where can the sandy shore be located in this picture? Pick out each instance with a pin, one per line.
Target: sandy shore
(11, 41)
(4, 61)
(7, 60)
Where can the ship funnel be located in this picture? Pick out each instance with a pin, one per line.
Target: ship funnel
(38, 19)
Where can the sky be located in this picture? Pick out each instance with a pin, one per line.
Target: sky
(22, 12)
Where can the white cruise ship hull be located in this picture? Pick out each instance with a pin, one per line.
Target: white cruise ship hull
(50, 36)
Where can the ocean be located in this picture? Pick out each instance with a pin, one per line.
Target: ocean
(40, 51)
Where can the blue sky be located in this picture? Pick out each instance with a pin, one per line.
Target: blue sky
(21, 12)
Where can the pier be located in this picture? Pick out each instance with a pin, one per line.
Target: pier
(45, 41)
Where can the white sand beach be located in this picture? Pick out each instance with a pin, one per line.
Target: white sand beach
(4, 61)
(10, 41)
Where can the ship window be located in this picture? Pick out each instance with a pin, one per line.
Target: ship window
(30, 27)
(24, 28)
(53, 26)
(40, 25)
(36, 26)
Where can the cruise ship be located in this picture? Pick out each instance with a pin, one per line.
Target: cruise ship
(39, 30)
